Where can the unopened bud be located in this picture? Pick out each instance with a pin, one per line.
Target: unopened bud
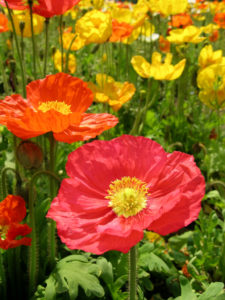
(29, 154)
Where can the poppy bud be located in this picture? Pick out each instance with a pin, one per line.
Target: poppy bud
(29, 154)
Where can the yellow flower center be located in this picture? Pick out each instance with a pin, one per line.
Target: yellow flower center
(3, 231)
(128, 196)
(61, 107)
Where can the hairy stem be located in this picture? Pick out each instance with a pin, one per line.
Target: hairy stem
(133, 273)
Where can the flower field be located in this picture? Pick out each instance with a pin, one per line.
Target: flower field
(112, 150)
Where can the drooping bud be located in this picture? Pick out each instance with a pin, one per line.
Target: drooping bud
(29, 154)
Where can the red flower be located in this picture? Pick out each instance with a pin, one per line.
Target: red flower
(121, 187)
(15, 4)
(45, 8)
(3, 23)
(12, 212)
(56, 103)
(50, 8)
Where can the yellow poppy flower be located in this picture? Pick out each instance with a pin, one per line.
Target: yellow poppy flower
(57, 58)
(94, 27)
(209, 28)
(112, 92)
(134, 17)
(172, 7)
(77, 44)
(189, 34)
(157, 69)
(153, 5)
(154, 237)
(73, 12)
(22, 19)
(147, 29)
(86, 4)
(208, 57)
(211, 81)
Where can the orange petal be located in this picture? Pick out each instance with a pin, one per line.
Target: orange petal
(90, 126)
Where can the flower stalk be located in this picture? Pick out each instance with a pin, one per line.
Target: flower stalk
(33, 257)
(18, 50)
(52, 228)
(30, 2)
(132, 276)
(46, 45)
(61, 40)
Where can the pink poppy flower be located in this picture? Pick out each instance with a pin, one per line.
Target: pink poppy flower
(119, 188)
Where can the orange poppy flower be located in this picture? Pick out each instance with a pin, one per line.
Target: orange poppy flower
(219, 19)
(214, 36)
(164, 45)
(181, 20)
(12, 212)
(120, 30)
(54, 104)
(200, 4)
(3, 23)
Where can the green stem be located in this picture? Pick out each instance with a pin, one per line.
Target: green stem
(119, 63)
(218, 125)
(151, 96)
(18, 273)
(61, 40)
(3, 277)
(2, 70)
(18, 50)
(46, 45)
(68, 52)
(4, 180)
(52, 240)
(33, 257)
(30, 2)
(22, 46)
(127, 61)
(215, 182)
(132, 276)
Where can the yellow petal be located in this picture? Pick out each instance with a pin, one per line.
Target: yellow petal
(141, 66)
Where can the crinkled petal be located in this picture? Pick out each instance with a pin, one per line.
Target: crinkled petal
(33, 123)
(176, 194)
(111, 160)
(12, 106)
(90, 126)
(61, 87)
(12, 209)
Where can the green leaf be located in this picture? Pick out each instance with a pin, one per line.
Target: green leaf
(120, 281)
(153, 263)
(106, 269)
(212, 292)
(72, 272)
(178, 241)
(186, 289)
